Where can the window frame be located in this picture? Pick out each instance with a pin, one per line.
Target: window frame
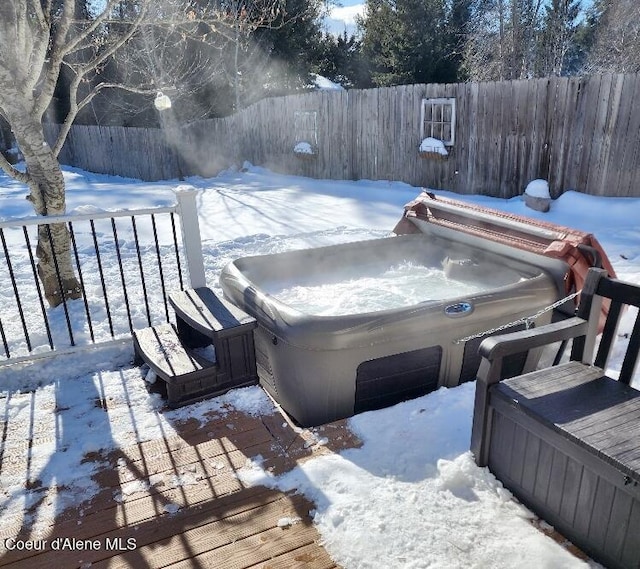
(300, 132)
(434, 102)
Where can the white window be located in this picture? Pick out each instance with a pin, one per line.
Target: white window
(306, 127)
(438, 120)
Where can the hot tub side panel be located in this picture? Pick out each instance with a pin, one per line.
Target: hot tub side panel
(309, 385)
(319, 386)
(407, 358)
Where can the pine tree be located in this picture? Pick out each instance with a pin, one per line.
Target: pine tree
(341, 61)
(284, 54)
(406, 41)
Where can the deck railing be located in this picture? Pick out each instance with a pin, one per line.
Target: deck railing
(127, 263)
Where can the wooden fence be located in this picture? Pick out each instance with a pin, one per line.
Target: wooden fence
(578, 133)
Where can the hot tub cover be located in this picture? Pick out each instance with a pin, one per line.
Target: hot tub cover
(579, 249)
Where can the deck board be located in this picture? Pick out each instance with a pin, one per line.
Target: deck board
(218, 523)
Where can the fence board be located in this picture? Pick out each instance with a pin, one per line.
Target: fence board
(612, 129)
(613, 165)
(545, 96)
(523, 129)
(557, 138)
(629, 160)
(469, 128)
(579, 133)
(495, 139)
(588, 133)
(593, 150)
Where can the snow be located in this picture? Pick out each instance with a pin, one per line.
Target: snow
(434, 145)
(538, 189)
(303, 148)
(411, 496)
(326, 84)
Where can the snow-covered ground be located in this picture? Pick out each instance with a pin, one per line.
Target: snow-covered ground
(411, 496)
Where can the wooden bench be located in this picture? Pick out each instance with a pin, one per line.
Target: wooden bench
(566, 440)
(202, 319)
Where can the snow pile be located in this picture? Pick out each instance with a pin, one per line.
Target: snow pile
(538, 189)
(325, 84)
(303, 148)
(412, 496)
(433, 145)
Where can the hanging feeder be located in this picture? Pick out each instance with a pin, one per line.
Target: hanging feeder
(162, 102)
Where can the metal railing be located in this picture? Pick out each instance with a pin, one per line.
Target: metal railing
(127, 263)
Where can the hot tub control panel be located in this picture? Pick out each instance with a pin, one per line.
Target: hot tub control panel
(458, 309)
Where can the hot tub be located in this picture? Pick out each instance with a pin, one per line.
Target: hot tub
(358, 326)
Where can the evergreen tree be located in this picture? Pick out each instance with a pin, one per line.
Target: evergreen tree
(584, 39)
(291, 48)
(341, 60)
(407, 41)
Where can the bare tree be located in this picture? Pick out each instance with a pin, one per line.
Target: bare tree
(617, 40)
(244, 19)
(502, 41)
(488, 43)
(558, 34)
(38, 38)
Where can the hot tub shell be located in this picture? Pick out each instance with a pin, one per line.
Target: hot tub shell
(323, 368)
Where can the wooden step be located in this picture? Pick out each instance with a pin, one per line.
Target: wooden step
(188, 376)
(206, 313)
(203, 318)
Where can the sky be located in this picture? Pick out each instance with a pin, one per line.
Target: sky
(410, 497)
(343, 17)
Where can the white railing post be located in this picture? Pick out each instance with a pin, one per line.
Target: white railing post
(191, 241)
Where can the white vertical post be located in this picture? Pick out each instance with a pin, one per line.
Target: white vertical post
(191, 241)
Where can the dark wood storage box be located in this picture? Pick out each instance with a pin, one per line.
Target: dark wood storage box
(566, 439)
(568, 446)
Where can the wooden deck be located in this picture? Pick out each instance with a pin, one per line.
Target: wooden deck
(192, 511)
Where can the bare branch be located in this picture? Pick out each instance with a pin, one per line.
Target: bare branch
(66, 126)
(76, 43)
(82, 70)
(13, 171)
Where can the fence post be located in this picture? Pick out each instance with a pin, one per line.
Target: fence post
(191, 241)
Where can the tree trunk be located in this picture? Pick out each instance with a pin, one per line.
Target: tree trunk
(55, 266)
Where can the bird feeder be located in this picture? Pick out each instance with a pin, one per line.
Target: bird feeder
(162, 102)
